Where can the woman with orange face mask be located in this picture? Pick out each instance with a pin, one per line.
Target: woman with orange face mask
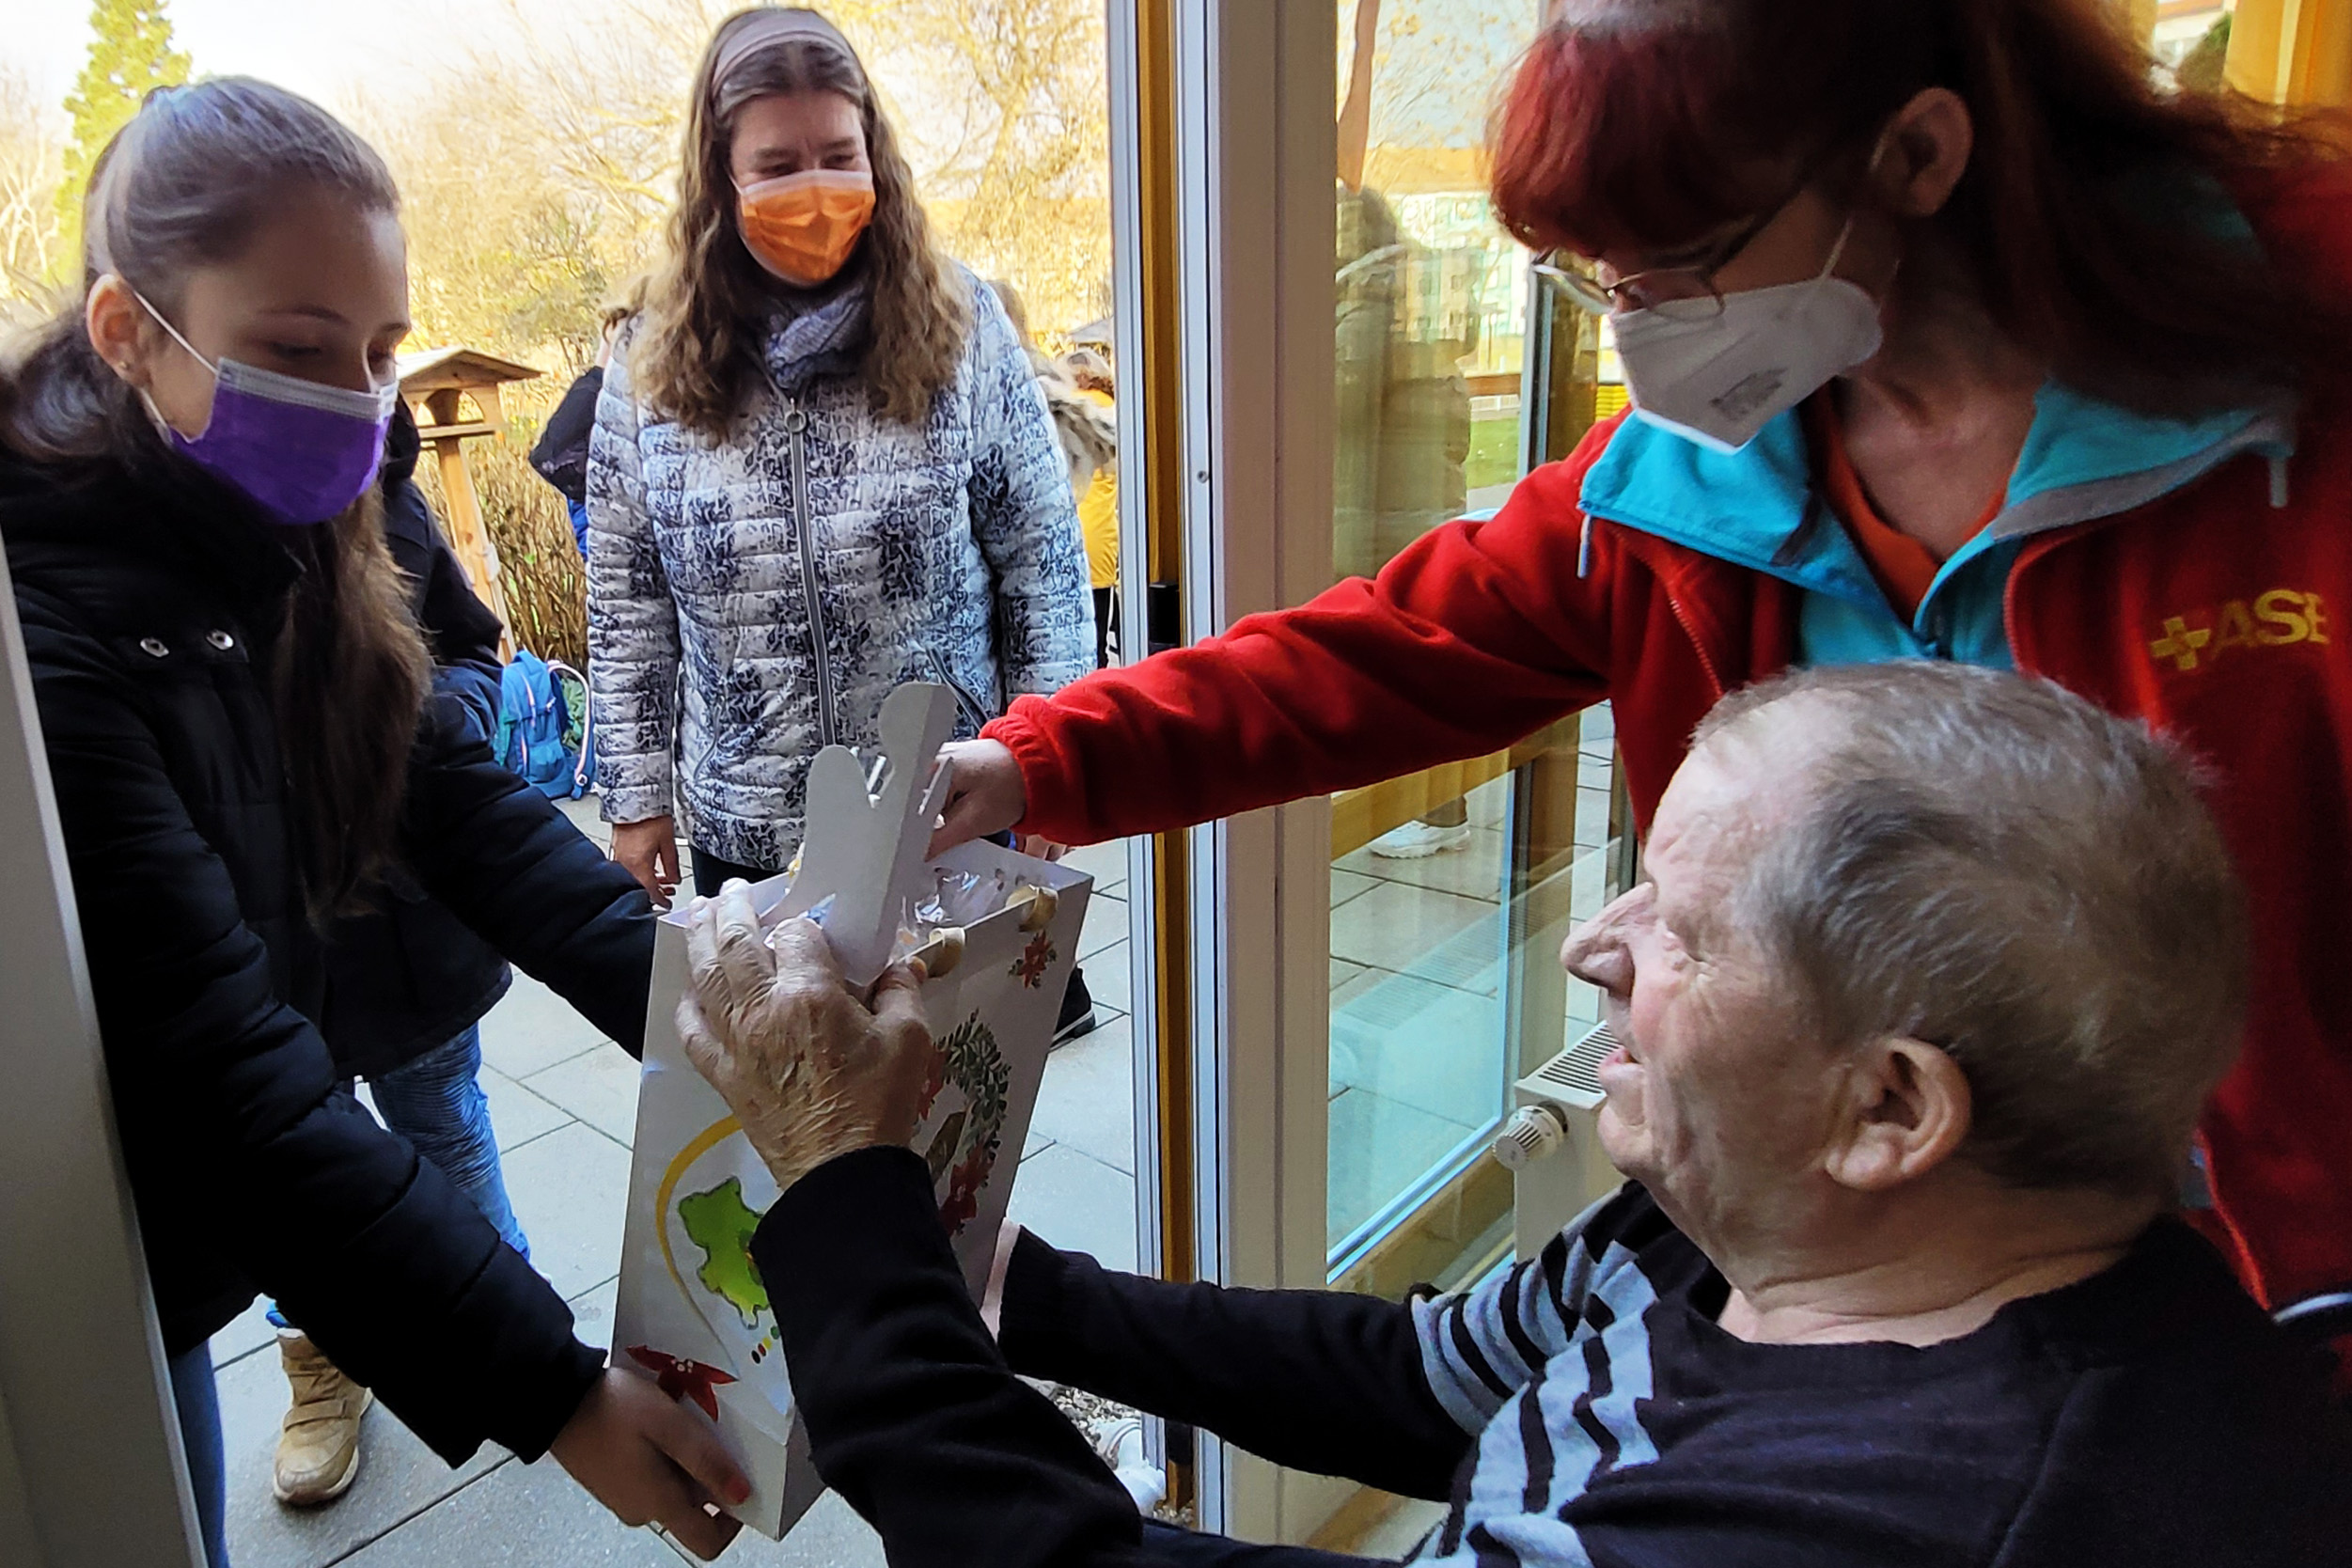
(820, 467)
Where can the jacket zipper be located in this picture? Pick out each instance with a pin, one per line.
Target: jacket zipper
(1681, 616)
(795, 425)
(970, 704)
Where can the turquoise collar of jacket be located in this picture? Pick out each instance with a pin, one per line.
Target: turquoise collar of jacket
(2083, 460)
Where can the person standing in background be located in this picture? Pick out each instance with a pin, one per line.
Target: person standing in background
(561, 452)
(1402, 442)
(1098, 503)
(821, 468)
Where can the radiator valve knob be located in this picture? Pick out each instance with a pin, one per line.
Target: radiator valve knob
(1532, 1134)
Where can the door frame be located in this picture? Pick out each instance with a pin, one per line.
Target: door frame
(1256, 149)
(92, 1471)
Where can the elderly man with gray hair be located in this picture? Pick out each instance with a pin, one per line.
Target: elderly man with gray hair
(1928, 974)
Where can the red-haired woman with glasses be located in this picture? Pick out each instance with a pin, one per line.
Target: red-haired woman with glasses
(1953, 333)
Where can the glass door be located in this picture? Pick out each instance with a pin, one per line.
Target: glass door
(1450, 887)
(1347, 986)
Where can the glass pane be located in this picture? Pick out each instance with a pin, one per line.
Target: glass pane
(1430, 335)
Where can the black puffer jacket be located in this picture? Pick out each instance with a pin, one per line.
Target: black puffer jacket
(561, 452)
(405, 979)
(149, 601)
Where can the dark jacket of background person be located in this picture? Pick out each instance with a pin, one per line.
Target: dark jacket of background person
(407, 979)
(152, 598)
(2149, 1415)
(561, 452)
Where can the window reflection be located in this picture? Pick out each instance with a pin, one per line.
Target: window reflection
(1429, 332)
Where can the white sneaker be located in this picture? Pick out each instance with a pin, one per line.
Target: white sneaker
(1419, 840)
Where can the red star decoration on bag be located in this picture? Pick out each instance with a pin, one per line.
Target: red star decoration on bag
(1031, 965)
(683, 1379)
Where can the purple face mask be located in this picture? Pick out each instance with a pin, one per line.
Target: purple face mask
(302, 452)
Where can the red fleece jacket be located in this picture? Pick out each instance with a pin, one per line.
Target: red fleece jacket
(2223, 620)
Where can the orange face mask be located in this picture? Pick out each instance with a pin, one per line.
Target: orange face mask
(802, 227)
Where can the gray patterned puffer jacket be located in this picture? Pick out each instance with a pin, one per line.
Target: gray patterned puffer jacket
(756, 601)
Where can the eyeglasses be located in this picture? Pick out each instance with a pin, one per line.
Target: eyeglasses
(1684, 294)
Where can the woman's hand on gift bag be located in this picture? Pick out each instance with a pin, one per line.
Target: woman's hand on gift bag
(652, 1460)
(985, 795)
(811, 1071)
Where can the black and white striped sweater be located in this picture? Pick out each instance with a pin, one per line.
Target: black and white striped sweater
(1581, 1408)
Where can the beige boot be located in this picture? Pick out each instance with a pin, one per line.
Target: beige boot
(318, 1447)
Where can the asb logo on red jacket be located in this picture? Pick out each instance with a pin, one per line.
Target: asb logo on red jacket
(2202, 638)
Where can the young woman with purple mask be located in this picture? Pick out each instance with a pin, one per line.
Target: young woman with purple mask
(235, 705)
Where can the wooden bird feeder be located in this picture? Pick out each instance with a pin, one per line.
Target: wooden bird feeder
(438, 383)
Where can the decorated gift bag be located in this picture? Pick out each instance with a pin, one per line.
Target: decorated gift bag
(996, 932)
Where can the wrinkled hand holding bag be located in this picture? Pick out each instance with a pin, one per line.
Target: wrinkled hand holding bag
(998, 932)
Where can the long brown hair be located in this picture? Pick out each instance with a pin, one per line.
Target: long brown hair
(184, 186)
(2094, 223)
(696, 353)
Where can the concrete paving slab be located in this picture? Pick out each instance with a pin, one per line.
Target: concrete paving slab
(599, 1086)
(1474, 871)
(1397, 926)
(1591, 817)
(532, 1028)
(568, 1189)
(1379, 1147)
(592, 1313)
(518, 1516)
(1088, 1100)
(588, 815)
(1421, 1044)
(1077, 1202)
(1109, 981)
(1106, 863)
(398, 1478)
(1106, 926)
(517, 1115)
(252, 1330)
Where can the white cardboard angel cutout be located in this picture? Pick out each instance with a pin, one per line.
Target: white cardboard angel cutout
(865, 851)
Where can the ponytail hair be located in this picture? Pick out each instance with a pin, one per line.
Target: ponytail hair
(187, 184)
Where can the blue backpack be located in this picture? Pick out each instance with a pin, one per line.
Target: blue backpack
(537, 736)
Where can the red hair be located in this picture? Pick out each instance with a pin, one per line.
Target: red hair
(2093, 222)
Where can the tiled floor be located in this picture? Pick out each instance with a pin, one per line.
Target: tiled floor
(564, 1101)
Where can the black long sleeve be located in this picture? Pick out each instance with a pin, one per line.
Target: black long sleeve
(515, 869)
(240, 1147)
(913, 1415)
(1316, 1380)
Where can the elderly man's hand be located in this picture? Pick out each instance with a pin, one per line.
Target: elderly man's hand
(810, 1071)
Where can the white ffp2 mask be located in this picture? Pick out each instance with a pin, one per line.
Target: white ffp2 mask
(1720, 379)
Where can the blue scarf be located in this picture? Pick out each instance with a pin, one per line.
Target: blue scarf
(825, 337)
